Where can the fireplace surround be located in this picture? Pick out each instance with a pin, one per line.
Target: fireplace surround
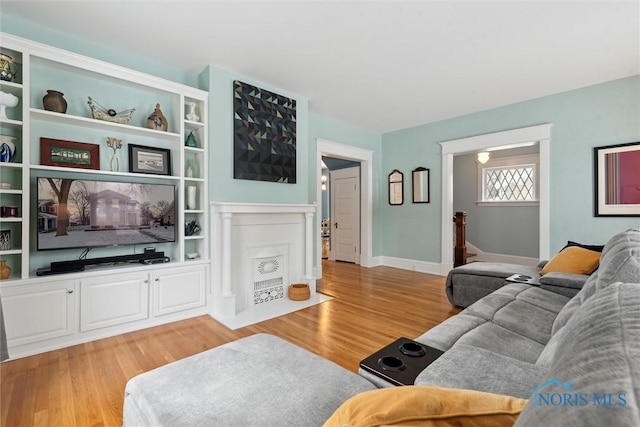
(258, 250)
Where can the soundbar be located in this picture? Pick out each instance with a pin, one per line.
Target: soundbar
(79, 264)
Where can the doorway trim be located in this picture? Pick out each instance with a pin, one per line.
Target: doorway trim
(540, 135)
(325, 147)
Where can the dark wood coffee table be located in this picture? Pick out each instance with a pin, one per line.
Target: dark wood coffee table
(400, 362)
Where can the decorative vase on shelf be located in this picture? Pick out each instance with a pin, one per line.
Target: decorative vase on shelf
(191, 115)
(157, 120)
(191, 140)
(54, 101)
(5, 270)
(8, 68)
(115, 145)
(7, 100)
(7, 148)
(191, 197)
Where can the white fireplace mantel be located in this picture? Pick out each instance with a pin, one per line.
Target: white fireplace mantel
(249, 208)
(237, 229)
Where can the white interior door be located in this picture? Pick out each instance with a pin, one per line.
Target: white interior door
(345, 214)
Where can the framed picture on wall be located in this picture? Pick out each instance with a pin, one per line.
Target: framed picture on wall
(69, 154)
(617, 180)
(149, 160)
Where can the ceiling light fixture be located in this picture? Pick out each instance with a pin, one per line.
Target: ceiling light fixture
(483, 157)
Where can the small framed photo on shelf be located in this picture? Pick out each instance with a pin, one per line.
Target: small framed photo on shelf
(69, 154)
(617, 183)
(151, 160)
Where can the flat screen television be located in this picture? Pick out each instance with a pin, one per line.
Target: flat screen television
(83, 213)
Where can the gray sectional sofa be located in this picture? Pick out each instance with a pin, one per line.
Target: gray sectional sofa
(577, 360)
(468, 283)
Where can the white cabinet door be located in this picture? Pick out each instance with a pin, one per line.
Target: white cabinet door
(113, 299)
(177, 289)
(39, 312)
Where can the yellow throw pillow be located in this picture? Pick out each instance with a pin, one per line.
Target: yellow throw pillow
(427, 406)
(573, 259)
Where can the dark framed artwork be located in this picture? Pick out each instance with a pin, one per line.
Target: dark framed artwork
(69, 154)
(264, 135)
(151, 160)
(617, 180)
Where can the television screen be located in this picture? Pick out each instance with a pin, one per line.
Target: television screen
(82, 213)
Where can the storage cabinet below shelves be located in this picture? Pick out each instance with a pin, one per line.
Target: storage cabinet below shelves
(46, 314)
(39, 312)
(178, 289)
(113, 300)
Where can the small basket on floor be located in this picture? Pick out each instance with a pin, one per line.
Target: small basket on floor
(299, 292)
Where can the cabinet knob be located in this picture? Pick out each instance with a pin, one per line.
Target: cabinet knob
(146, 281)
(69, 291)
(157, 279)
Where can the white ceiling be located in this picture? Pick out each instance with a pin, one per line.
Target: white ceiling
(381, 65)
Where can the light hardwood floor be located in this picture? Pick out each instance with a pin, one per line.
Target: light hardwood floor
(84, 385)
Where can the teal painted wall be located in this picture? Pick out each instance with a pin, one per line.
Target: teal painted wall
(603, 114)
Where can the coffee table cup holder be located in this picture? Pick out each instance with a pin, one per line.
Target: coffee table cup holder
(391, 363)
(412, 349)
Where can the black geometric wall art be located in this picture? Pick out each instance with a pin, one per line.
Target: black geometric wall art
(264, 135)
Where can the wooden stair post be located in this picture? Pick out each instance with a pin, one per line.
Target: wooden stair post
(460, 219)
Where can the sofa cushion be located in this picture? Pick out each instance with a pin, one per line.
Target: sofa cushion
(524, 309)
(503, 341)
(474, 368)
(446, 334)
(598, 361)
(258, 380)
(573, 259)
(427, 406)
(527, 320)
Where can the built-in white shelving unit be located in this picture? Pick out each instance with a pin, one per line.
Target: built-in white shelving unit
(41, 68)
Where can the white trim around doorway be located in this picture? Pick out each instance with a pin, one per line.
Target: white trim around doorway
(365, 157)
(540, 135)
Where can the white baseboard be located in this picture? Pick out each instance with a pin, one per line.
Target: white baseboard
(491, 257)
(411, 264)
